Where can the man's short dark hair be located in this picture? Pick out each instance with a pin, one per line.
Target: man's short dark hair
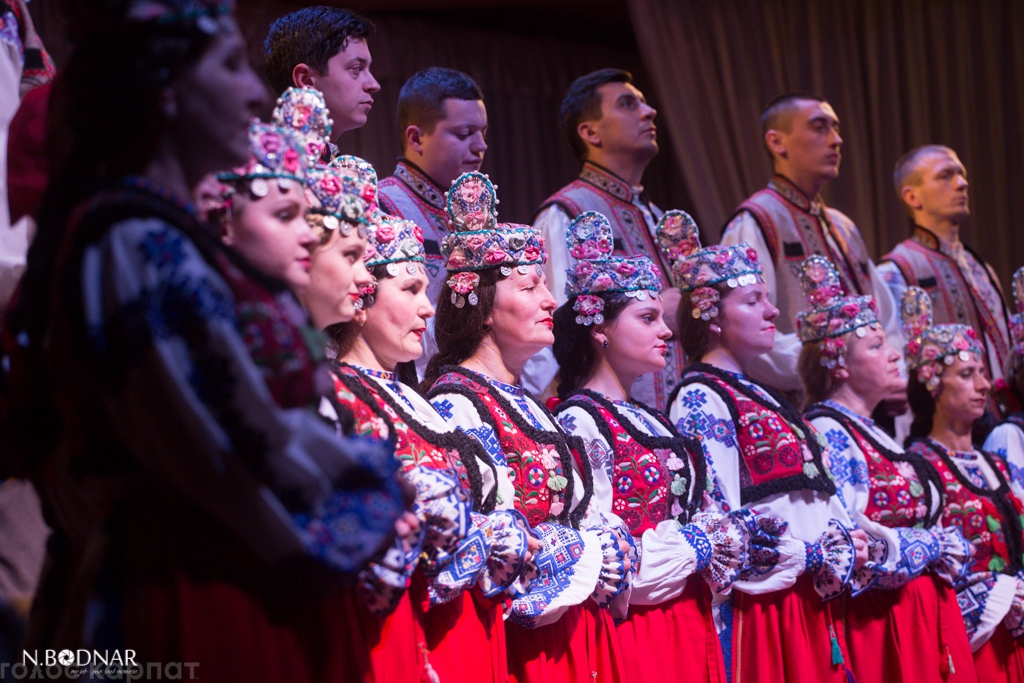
(775, 114)
(583, 103)
(421, 100)
(311, 36)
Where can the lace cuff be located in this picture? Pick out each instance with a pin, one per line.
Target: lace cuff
(955, 553)
(614, 577)
(830, 560)
(444, 510)
(508, 533)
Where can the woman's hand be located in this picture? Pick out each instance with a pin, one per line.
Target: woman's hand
(860, 546)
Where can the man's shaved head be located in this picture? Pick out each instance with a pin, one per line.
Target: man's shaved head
(778, 114)
(908, 168)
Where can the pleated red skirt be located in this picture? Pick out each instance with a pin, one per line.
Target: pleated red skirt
(909, 635)
(1001, 659)
(784, 636)
(675, 640)
(465, 639)
(581, 647)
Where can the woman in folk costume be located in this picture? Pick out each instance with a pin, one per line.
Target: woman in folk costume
(947, 390)
(610, 331)
(495, 313)
(903, 623)
(472, 557)
(1007, 440)
(779, 622)
(196, 519)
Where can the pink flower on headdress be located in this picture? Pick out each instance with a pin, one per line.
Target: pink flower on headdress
(625, 268)
(913, 346)
(926, 372)
(588, 304)
(475, 220)
(971, 333)
(815, 273)
(495, 257)
(751, 255)
(314, 149)
(369, 252)
(930, 353)
(722, 257)
(833, 347)
(270, 142)
(961, 344)
(330, 185)
(385, 233)
(850, 309)
(474, 242)
(471, 190)
(417, 232)
(584, 268)
(604, 246)
(688, 245)
(602, 282)
(704, 298)
(301, 114)
(290, 161)
(463, 283)
(369, 193)
(834, 325)
(457, 259)
(585, 250)
(531, 254)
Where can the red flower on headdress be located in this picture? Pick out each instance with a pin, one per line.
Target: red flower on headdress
(290, 161)
(531, 254)
(301, 114)
(330, 185)
(385, 233)
(625, 268)
(417, 232)
(495, 257)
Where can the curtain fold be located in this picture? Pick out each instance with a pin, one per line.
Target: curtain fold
(899, 74)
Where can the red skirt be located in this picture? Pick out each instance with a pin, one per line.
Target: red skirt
(1001, 659)
(675, 640)
(581, 647)
(465, 638)
(909, 634)
(784, 636)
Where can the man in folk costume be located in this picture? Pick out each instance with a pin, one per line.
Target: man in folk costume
(787, 221)
(931, 182)
(610, 127)
(442, 122)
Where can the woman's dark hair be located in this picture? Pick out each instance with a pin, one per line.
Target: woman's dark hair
(922, 405)
(574, 345)
(817, 379)
(695, 333)
(459, 331)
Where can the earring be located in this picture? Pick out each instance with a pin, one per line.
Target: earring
(604, 343)
(716, 329)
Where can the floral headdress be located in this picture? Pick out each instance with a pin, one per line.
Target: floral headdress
(367, 174)
(392, 241)
(304, 110)
(696, 269)
(205, 13)
(274, 153)
(1017, 319)
(831, 314)
(932, 347)
(596, 271)
(479, 242)
(338, 192)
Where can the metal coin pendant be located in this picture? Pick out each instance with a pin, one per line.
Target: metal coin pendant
(410, 267)
(455, 297)
(506, 271)
(259, 188)
(522, 269)
(860, 332)
(331, 222)
(284, 184)
(473, 299)
(540, 271)
(460, 302)
(392, 269)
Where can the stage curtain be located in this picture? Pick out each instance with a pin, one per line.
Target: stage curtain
(899, 74)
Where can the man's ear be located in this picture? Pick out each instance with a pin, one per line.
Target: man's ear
(304, 76)
(414, 139)
(588, 133)
(910, 197)
(773, 139)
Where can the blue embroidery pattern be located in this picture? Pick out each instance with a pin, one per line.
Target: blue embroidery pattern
(972, 601)
(694, 399)
(568, 422)
(489, 440)
(700, 543)
(444, 408)
(563, 548)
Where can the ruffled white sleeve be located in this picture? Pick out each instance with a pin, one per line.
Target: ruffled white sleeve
(700, 412)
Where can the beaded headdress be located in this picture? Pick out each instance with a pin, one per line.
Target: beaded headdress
(479, 242)
(274, 153)
(304, 111)
(831, 314)
(596, 271)
(1017, 319)
(932, 347)
(696, 269)
(367, 174)
(392, 241)
(338, 193)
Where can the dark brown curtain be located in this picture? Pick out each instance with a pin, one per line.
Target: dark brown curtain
(523, 79)
(899, 74)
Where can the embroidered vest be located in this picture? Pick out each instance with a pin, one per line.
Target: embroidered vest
(598, 189)
(794, 228)
(648, 470)
(411, 195)
(775, 454)
(539, 461)
(378, 417)
(899, 497)
(953, 299)
(990, 519)
(277, 334)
